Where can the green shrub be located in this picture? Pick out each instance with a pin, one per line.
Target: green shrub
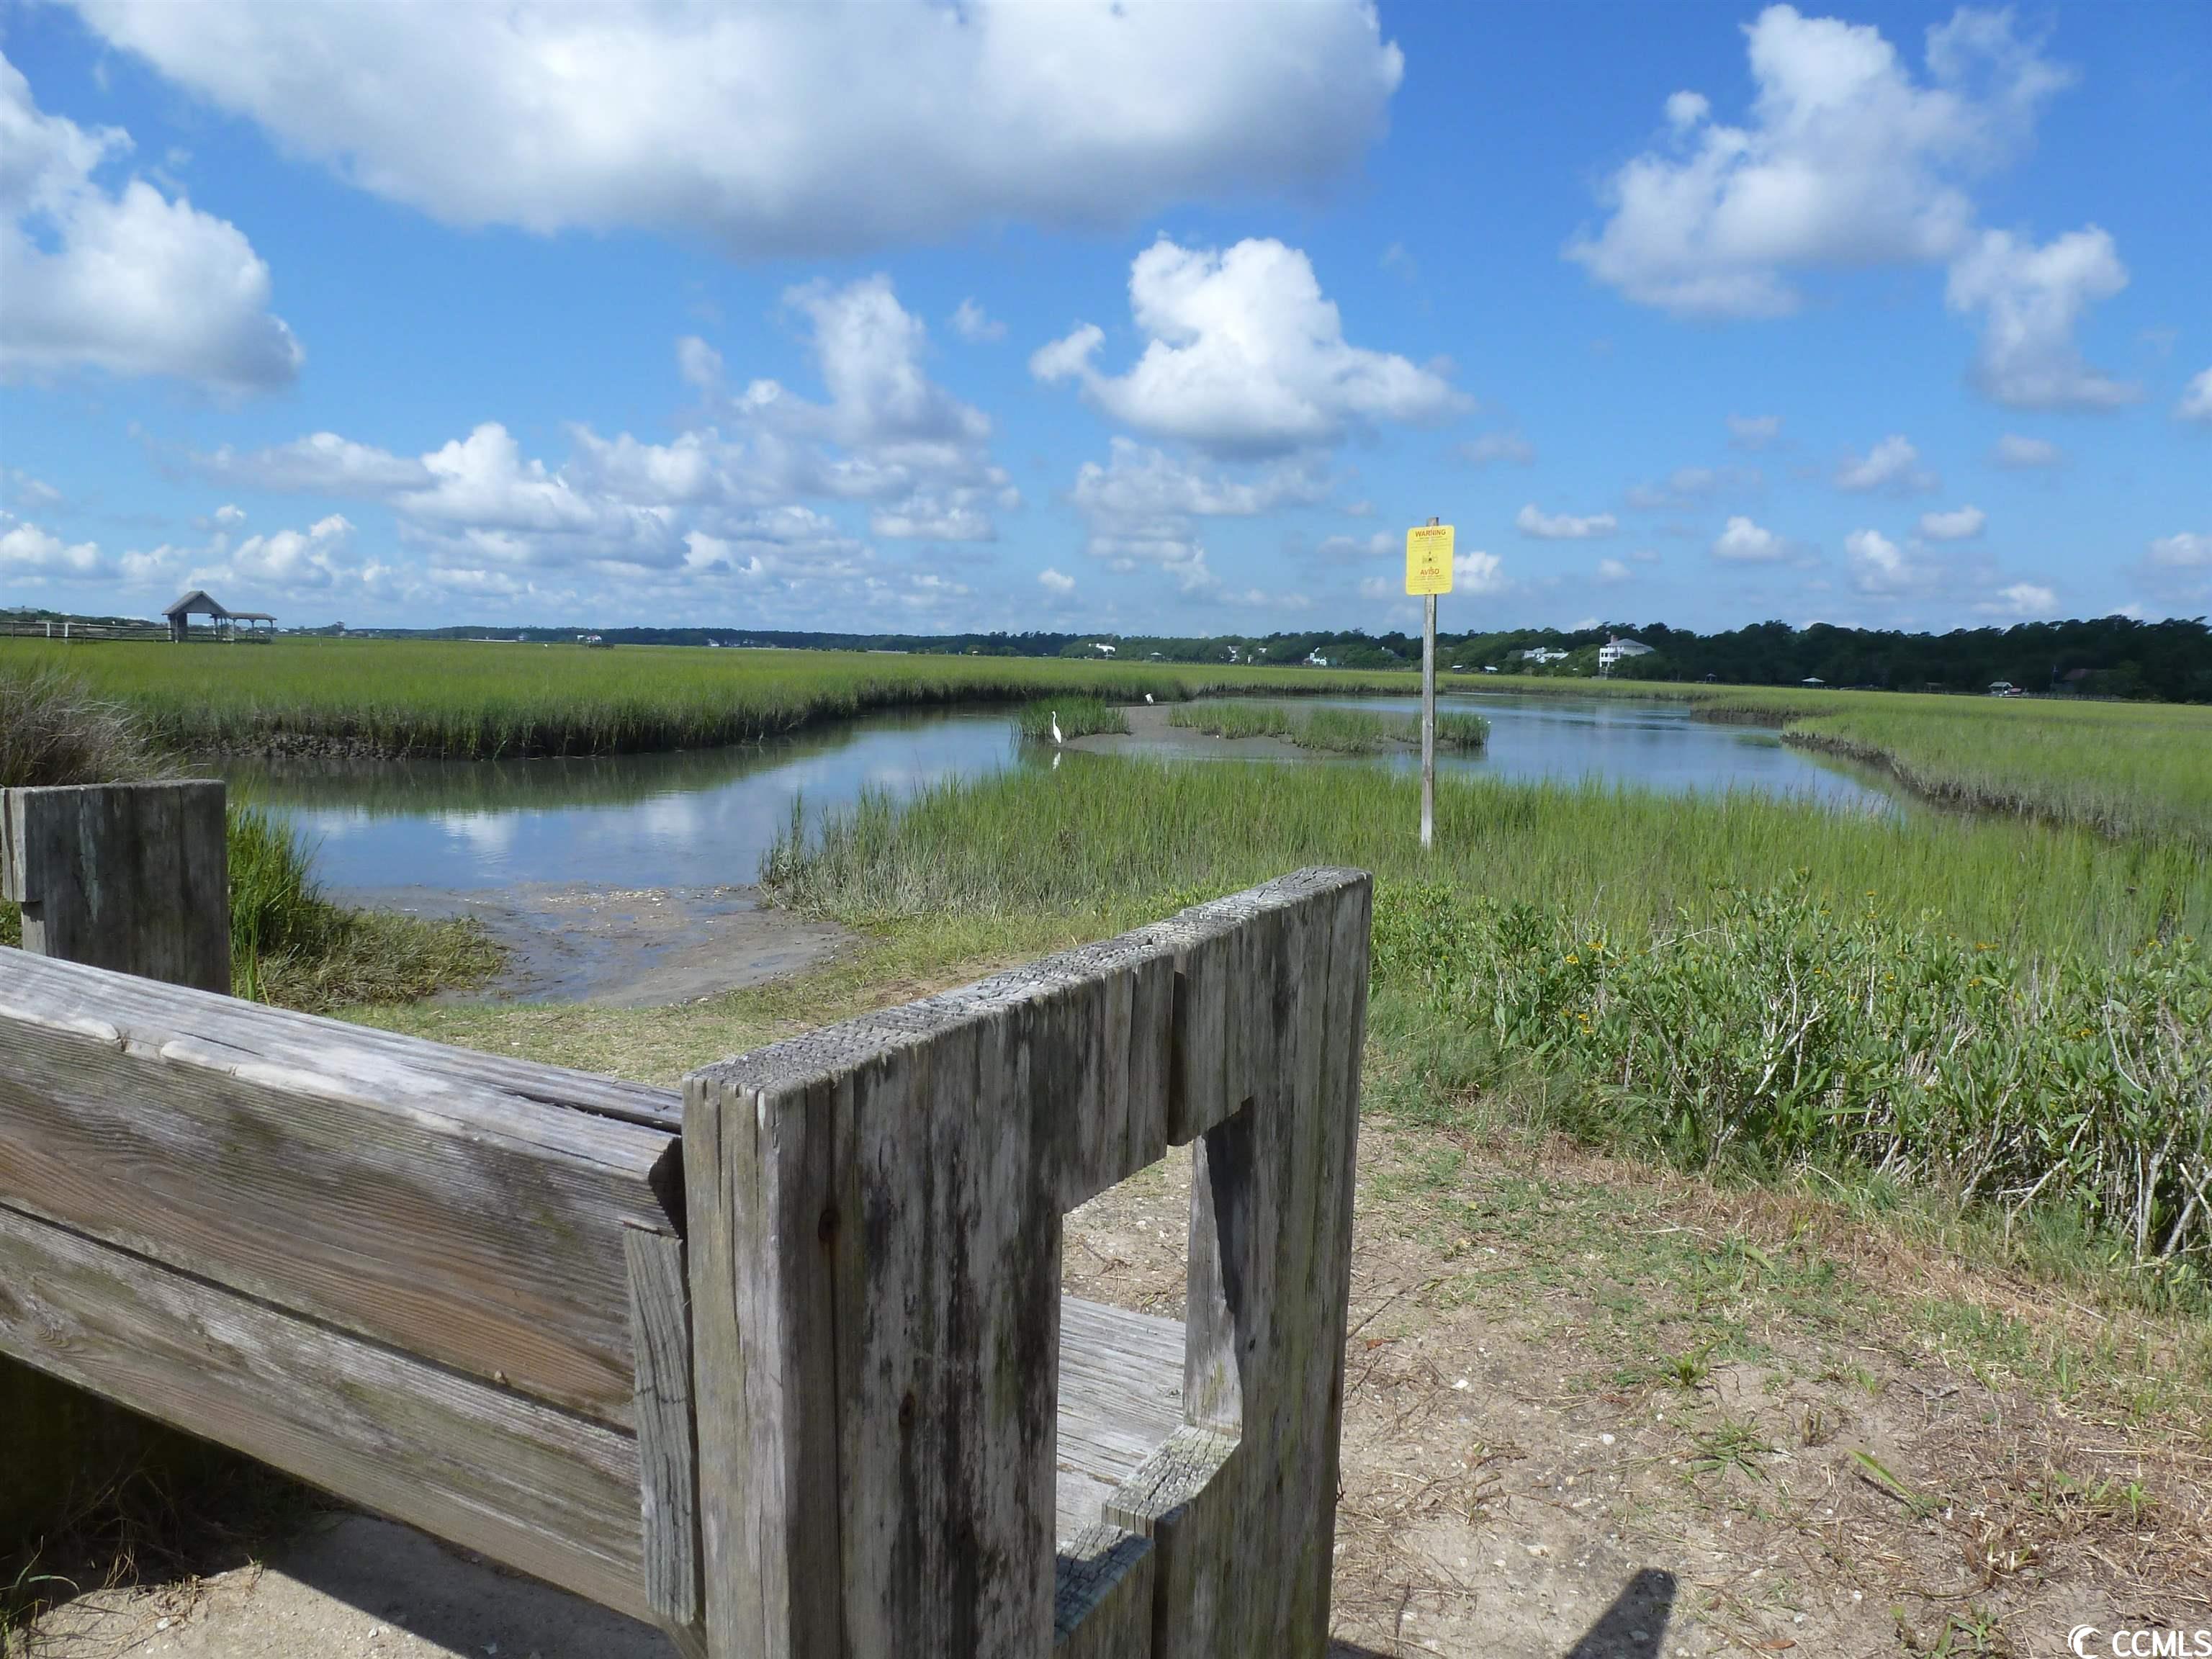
(1782, 1028)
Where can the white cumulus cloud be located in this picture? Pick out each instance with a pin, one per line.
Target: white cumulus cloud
(1960, 525)
(31, 552)
(127, 280)
(1891, 466)
(1531, 520)
(2186, 551)
(2021, 601)
(710, 502)
(1054, 582)
(2196, 403)
(1479, 573)
(1878, 565)
(974, 325)
(1244, 355)
(1611, 573)
(1847, 158)
(2026, 454)
(789, 130)
(2031, 298)
(1143, 504)
(1743, 541)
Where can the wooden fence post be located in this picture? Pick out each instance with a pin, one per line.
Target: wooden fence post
(128, 876)
(132, 876)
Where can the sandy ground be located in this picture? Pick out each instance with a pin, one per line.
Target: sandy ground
(625, 947)
(352, 1587)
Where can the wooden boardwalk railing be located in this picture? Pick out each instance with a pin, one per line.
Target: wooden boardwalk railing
(783, 1363)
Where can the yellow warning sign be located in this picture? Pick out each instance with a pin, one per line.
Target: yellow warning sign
(1429, 559)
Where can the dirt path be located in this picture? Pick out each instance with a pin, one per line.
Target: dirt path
(1595, 1412)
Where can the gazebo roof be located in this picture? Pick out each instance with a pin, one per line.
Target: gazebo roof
(197, 603)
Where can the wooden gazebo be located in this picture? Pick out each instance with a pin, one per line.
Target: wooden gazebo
(228, 624)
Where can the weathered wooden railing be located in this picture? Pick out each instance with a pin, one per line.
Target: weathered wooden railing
(783, 1363)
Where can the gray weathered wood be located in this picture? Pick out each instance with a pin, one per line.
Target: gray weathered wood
(129, 876)
(875, 1212)
(538, 1489)
(464, 1214)
(1273, 1099)
(875, 1260)
(1102, 1595)
(668, 1454)
(1121, 1396)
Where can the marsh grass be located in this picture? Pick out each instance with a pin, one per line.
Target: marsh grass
(1108, 834)
(1338, 731)
(2121, 768)
(2000, 1009)
(1078, 717)
(470, 701)
(54, 729)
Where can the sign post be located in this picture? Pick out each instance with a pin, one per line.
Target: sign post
(1429, 572)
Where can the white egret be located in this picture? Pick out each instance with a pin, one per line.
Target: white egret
(1056, 738)
(1148, 697)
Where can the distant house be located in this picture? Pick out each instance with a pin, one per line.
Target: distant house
(224, 623)
(1616, 649)
(1812, 679)
(1314, 658)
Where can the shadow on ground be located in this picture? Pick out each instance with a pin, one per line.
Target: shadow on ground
(1634, 1627)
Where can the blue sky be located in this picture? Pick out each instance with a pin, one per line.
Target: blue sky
(916, 316)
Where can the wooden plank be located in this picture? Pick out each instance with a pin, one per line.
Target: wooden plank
(875, 1291)
(1269, 1084)
(668, 1455)
(130, 876)
(1102, 1595)
(1120, 1397)
(448, 1209)
(760, 1209)
(537, 1489)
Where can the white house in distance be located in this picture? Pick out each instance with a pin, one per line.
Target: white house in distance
(1616, 649)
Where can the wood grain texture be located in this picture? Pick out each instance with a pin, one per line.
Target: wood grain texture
(667, 1446)
(1102, 1595)
(874, 1213)
(1270, 1262)
(133, 877)
(537, 1489)
(461, 1210)
(1120, 1397)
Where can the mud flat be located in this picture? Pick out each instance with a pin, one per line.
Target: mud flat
(625, 947)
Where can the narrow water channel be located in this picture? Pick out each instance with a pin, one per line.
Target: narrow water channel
(703, 819)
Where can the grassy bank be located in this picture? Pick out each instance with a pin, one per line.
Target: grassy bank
(2009, 1013)
(480, 701)
(1338, 731)
(290, 944)
(2123, 768)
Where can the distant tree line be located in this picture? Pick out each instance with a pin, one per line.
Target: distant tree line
(2101, 656)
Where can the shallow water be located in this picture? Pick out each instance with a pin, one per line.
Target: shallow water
(705, 819)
